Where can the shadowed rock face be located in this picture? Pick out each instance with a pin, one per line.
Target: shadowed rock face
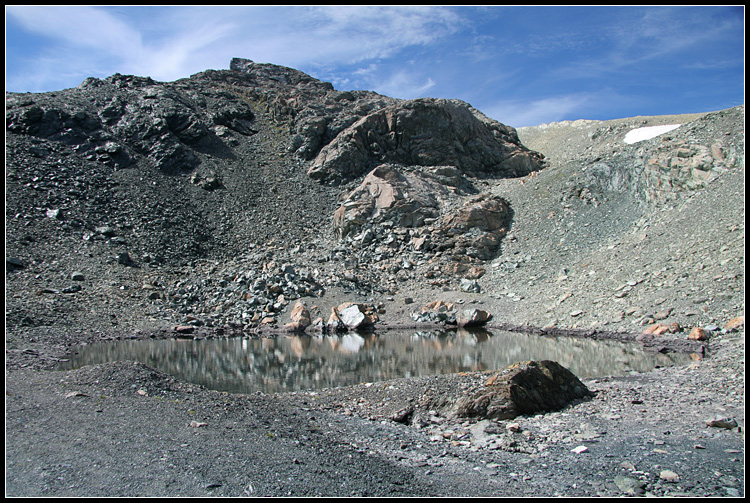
(425, 132)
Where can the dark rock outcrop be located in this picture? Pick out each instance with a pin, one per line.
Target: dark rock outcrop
(425, 132)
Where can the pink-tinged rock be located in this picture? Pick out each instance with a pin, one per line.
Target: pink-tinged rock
(438, 306)
(656, 329)
(300, 318)
(734, 323)
(334, 321)
(698, 334)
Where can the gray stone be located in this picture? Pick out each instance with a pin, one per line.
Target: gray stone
(470, 286)
(425, 132)
(15, 262)
(629, 485)
(722, 422)
(124, 259)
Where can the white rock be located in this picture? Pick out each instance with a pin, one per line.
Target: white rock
(669, 476)
(351, 316)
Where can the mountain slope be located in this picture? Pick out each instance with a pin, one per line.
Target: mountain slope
(221, 198)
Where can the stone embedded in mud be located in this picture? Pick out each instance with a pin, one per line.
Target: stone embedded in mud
(523, 388)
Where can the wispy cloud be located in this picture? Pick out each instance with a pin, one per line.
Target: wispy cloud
(405, 85)
(650, 35)
(521, 65)
(532, 113)
(168, 43)
(79, 26)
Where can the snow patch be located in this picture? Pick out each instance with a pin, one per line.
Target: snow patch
(646, 133)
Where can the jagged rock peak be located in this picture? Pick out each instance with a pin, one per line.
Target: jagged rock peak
(241, 64)
(280, 74)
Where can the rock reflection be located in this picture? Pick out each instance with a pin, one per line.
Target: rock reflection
(298, 362)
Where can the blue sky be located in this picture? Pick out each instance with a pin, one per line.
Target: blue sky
(520, 65)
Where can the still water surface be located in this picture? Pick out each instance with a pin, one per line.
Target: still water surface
(301, 362)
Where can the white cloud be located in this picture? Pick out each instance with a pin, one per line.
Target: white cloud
(533, 113)
(167, 43)
(404, 85)
(84, 27)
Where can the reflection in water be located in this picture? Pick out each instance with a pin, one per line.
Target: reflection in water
(297, 362)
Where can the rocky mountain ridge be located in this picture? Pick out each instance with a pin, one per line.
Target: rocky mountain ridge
(219, 199)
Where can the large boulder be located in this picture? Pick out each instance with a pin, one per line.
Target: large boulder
(523, 388)
(476, 228)
(352, 316)
(472, 317)
(438, 202)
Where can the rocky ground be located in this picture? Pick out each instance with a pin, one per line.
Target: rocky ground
(216, 202)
